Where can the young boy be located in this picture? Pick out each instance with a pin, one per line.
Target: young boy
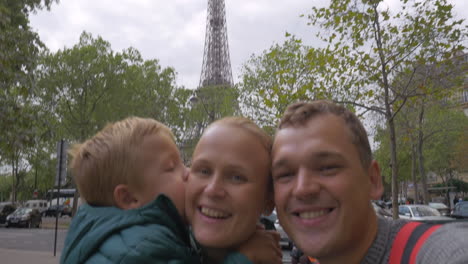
(119, 173)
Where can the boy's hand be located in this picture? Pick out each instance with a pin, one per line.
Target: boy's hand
(263, 247)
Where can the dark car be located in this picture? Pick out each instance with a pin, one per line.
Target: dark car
(61, 211)
(5, 210)
(26, 217)
(381, 209)
(460, 210)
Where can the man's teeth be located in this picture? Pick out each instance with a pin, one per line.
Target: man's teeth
(213, 213)
(313, 214)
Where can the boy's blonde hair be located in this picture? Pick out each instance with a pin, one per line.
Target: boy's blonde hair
(111, 158)
(250, 127)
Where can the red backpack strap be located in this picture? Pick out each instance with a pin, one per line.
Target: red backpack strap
(400, 241)
(409, 241)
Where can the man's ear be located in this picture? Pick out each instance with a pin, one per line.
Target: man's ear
(373, 172)
(124, 198)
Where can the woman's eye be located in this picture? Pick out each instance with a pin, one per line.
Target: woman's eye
(238, 178)
(202, 172)
(282, 175)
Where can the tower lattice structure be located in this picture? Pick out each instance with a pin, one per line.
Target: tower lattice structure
(214, 96)
(216, 67)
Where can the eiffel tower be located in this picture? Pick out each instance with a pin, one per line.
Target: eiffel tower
(215, 96)
(216, 67)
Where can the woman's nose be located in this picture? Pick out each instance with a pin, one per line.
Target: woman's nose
(215, 187)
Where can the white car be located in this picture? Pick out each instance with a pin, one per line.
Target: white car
(442, 208)
(421, 212)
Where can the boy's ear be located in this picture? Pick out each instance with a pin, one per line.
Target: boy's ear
(124, 198)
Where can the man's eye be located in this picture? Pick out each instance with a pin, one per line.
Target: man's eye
(282, 175)
(329, 169)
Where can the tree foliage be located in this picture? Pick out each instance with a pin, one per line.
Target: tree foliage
(89, 85)
(19, 51)
(280, 75)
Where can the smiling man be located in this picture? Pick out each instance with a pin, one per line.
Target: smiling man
(325, 178)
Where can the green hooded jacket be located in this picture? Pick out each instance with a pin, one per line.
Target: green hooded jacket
(154, 233)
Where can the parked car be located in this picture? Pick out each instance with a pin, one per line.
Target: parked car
(381, 209)
(5, 210)
(62, 210)
(421, 212)
(442, 208)
(460, 210)
(26, 217)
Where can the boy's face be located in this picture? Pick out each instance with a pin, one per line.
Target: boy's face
(227, 187)
(162, 170)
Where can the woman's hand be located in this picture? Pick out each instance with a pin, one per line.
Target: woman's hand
(263, 247)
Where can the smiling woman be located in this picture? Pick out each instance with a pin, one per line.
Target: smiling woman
(229, 186)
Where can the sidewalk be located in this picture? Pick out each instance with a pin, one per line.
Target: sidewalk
(13, 256)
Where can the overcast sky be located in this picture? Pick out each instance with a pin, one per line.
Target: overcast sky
(173, 31)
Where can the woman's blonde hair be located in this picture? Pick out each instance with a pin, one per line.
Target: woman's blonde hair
(111, 158)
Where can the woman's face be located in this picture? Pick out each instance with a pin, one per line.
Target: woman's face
(227, 189)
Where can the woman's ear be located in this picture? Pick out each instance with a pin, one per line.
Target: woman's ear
(124, 198)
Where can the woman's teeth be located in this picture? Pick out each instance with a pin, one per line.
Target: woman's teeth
(213, 213)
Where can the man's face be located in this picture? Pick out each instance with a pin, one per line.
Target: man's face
(322, 191)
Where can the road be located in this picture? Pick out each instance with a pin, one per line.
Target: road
(34, 239)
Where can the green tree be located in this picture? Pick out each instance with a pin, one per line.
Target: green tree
(280, 75)
(19, 51)
(446, 129)
(89, 85)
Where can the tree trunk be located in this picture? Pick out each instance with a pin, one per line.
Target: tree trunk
(13, 186)
(422, 173)
(413, 173)
(394, 166)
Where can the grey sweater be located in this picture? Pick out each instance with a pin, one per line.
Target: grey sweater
(448, 244)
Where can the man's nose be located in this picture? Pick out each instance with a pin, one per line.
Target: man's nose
(306, 185)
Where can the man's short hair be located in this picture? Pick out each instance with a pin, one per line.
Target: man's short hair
(298, 114)
(111, 158)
